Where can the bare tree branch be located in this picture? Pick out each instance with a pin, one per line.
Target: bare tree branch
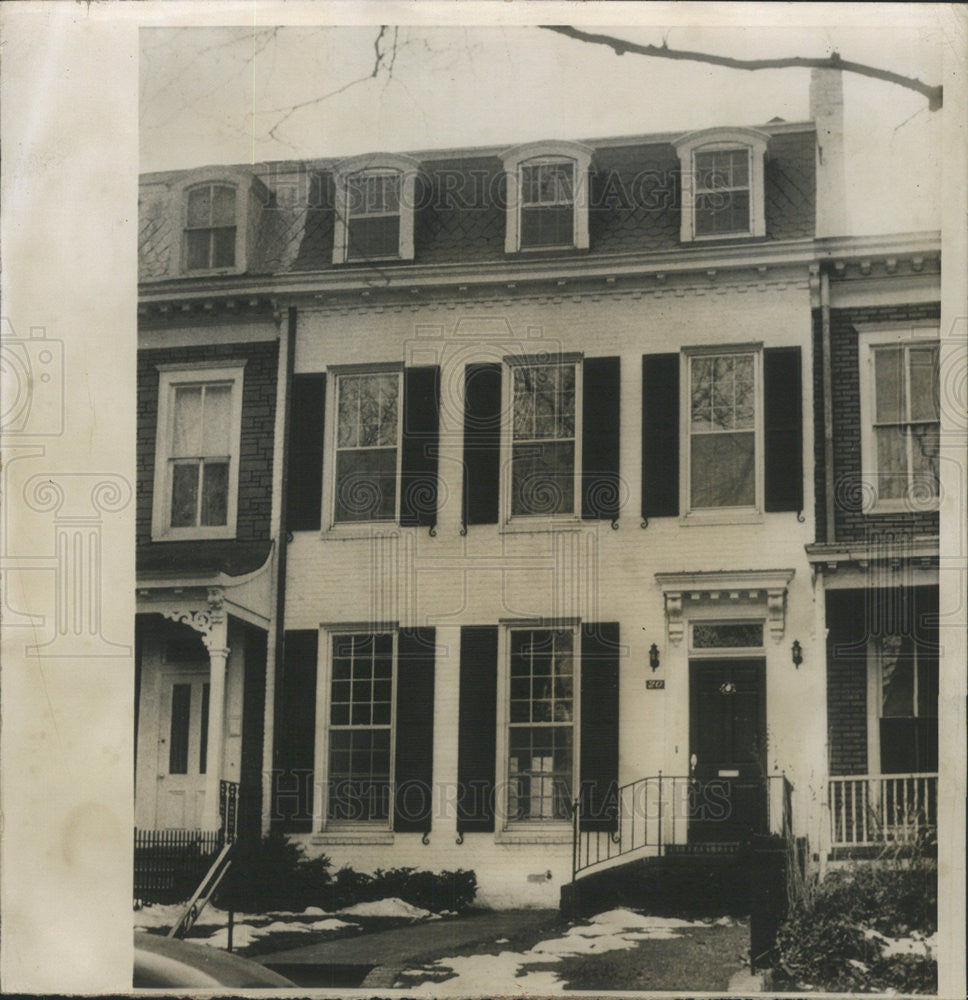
(621, 46)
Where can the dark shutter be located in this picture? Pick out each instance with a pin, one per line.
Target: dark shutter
(420, 447)
(304, 482)
(295, 733)
(660, 435)
(600, 439)
(477, 729)
(783, 424)
(482, 443)
(599, 726)
(848, 614)
(414, 765)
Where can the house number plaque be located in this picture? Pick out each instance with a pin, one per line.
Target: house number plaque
(654, 685)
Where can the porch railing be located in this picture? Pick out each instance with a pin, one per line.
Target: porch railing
(876, 809)
(169, 863)
(655, 811)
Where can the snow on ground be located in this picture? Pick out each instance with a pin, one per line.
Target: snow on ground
(506, 973)
(389, 907)
(916, 944)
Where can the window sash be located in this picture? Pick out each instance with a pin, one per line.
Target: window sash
(906, 424)
(544, 439)
(210, 227)
(542, 733)
(722, 194)
(360, 739)
(367, 466)
(724, 437)
(548, 184)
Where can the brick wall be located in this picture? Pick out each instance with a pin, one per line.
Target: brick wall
(850, 523)
(847, 681)
(258, 420)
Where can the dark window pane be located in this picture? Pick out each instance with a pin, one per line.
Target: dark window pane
(543, 478)
(722, 470)
(551, 226)
(928, 687)
(924, 383)
(197, 245)
(199, 207)
(203, 734)
(215, 493)
(725, 636)
(722, 212)
(223, 247)
(184, 495)
(366, 485)
(223, 206)
(181, 707)
(890, 405)
(377, 236)
(897, 677)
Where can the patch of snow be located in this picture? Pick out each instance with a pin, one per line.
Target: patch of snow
(314, 911)
(502, 973)
(242, 936)
(502, 941)
(508, 973)
(392, 906)
(332, 924)
(724, 922)
(914, 944)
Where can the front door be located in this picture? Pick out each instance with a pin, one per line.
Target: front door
(727, 727)
(182, 749)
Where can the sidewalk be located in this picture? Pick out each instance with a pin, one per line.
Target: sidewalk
(376, 959)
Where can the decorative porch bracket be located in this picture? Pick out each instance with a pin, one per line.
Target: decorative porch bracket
(762, 591)
(210, 622)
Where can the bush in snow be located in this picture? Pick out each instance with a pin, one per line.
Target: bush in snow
(837, 935)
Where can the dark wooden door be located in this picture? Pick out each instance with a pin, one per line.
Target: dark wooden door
(727, 736)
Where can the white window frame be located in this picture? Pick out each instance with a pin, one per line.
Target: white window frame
(171, 377)
(875, 665)
(536, 154)
(532, 831)
(349, 831)
(719, 515)
(529, 522)
(246, 205)
(406, 168)
(868, 339)
(715, 140)
(361, 527)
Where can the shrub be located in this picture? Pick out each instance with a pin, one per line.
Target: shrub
(273, 874)
(823, 941)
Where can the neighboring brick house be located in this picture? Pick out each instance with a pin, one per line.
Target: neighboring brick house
(543, 417)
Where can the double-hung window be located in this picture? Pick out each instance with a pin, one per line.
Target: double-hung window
(906, 697)
(368, 410)
(360, 751)
(373, 210)
(541, 724)
(197, 452)
(723, 439)
(544, 438)
(376, 198)
(902, 436)
(722, 192)
(547, 203)
(723, 183)
(210, 227)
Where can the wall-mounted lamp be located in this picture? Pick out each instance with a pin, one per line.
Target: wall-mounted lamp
(654, 656)
(797, 652)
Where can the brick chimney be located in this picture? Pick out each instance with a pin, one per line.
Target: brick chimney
(827, 111)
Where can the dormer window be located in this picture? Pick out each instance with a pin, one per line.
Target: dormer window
(722, 184)
(547, 205)
(219, 212)
(374, 209)
(210, 227)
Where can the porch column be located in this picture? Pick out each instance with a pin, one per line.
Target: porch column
(218, 654)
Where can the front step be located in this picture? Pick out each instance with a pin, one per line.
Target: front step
(694, 880)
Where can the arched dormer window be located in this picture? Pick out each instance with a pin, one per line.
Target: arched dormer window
(374, 208)
(547, 203)
(722, 183)
(219, 210)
